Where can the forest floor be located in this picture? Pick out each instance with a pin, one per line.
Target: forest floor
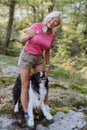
(61, 97)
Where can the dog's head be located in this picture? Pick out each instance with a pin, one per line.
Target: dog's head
(39, 80)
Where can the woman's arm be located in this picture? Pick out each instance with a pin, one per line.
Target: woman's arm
(27, 36)
(47, 56)
(47, 62)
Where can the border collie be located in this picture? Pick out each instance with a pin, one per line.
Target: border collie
(38, 89)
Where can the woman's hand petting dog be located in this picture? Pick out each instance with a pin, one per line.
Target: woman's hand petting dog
(47, 70)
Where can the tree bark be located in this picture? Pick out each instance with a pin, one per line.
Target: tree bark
(10, 22)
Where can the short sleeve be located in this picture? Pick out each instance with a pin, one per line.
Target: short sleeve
(33, 27)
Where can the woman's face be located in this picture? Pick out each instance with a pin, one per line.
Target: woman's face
(53, 22)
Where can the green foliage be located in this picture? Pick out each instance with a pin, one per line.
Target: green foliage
(78, 79)
(73, 26)
(62, 53)
(79, 88)
(68, 75)
(76, 60)
(59, 72)
(13, 51)
(71, 37)
(7, 61)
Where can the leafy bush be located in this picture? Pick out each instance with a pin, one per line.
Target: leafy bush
(59, 72)
(13, 51)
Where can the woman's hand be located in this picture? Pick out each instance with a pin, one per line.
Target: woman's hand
(32, 33)
(28, 36)
(47, 70)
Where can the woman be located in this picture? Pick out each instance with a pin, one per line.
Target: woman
(37, 42)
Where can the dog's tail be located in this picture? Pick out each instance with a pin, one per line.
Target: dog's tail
(17, 90)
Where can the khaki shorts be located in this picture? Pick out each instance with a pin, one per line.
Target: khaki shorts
(27, 60)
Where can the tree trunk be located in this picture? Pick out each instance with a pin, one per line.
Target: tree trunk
(51, 6)
(10, 22)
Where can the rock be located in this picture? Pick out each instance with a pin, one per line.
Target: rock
(51, 79)
(5, 122)
(70, 121)
(10, 71)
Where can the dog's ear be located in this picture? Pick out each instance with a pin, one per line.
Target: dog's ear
(35, 82)
(42, 74)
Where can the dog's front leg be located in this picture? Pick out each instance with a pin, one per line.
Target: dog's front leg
(31, 116)
(16, 107)
(46, 113)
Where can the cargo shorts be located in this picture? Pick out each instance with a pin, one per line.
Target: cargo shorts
(28, 60)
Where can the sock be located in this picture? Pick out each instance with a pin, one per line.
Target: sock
(26, 113)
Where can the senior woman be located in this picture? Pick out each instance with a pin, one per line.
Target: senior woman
(36, 52)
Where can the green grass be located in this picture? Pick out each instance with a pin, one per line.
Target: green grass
(57, 72)
(79, 88)
(5, 81)
(8, 60)
(60, 72)
(68, 76)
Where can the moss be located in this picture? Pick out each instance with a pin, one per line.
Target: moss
(5, 81)
(59, 109)
(79, 88)
(55, 85)
(54, 110)
(3, 109)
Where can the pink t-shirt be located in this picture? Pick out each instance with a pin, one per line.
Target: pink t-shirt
(40, 42)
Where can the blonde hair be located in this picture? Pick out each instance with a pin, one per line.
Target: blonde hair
(52, 15)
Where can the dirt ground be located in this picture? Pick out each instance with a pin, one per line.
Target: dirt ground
(6, 95)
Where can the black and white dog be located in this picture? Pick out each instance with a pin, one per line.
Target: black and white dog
(38, 89)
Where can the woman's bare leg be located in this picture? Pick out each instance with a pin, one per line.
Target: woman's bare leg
(25, 76)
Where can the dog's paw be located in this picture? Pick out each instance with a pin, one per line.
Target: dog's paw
(50, 121)
(49, 117)
(31, 124)
(16, 110)
(47, 108)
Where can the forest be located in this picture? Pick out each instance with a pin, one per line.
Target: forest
(69, 52)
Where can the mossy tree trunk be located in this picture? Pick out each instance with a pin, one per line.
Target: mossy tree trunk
(10, 22)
